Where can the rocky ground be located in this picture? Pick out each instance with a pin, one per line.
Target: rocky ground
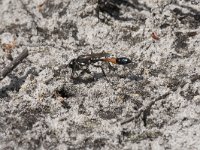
(152, 103)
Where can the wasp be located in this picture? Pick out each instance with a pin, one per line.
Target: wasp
(83, 62)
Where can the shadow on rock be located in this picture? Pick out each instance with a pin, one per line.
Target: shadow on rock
(114, 8)
(15, 83)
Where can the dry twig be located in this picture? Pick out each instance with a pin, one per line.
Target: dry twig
(145, 109)
(13, 64)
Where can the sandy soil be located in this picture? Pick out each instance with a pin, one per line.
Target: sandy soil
(41, 107)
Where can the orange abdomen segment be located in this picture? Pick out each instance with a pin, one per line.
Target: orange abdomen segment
(111, 60)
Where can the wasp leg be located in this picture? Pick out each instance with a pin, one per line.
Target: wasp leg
(110, 67)
(73, 74)
(98, 66)
(85, 71)
(91, 51)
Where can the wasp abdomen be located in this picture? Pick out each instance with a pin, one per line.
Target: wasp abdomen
(123, 60)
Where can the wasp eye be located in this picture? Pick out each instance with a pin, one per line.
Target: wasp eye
(123, 60)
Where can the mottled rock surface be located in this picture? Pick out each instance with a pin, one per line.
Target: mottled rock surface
(41, 107)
